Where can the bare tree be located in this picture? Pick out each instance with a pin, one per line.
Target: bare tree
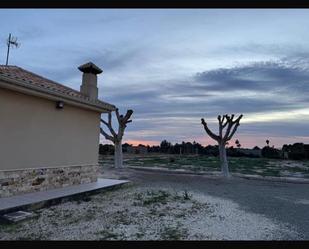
(232, 125)
(116, 138)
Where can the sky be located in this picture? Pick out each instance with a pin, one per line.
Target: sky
(176, 66)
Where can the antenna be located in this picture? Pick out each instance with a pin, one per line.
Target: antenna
(11, 41)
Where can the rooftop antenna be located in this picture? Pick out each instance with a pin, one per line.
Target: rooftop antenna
(11, 41)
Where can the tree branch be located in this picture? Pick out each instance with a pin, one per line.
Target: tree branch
(228, 129)
(238, 119)
(228, 136)
(236, 122)
(104, 122)
(110, 127)
(117, 115)
(108, 137)
(127, 116)
(122, 121)
(226, 121)
(220, 126)
(208, 131)
(233, 132)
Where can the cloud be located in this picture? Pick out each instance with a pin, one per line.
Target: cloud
(172, 110)
(219, 91)
(258, 76)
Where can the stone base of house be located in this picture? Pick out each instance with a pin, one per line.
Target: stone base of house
(21, 181)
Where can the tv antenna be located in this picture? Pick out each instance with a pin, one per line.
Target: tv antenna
(11, 41)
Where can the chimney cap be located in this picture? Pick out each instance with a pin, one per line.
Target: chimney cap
(90, 68)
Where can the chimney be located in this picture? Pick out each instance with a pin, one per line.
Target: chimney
(89, 82)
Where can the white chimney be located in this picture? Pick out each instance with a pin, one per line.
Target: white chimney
(89, 82)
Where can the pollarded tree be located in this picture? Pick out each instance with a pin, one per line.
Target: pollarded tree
(116, 138)
(231, 127)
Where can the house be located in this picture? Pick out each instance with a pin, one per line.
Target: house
(137, 149)
(49, 133)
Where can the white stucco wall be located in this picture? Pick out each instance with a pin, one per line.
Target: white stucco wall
(34, 134)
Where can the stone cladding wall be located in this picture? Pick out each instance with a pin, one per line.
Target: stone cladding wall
(21, 181)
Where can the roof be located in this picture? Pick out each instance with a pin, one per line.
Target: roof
(33, 81)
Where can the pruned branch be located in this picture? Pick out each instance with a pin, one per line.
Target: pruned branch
(233, 132)
(224, 121)
(209, 132)
(108, 137)
(220, 125)
(117, 115)
(109, 124)
(127, 116)
(236, 123)
(122, 122)
(230, 123)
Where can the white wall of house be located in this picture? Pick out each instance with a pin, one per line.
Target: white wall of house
(35, 134)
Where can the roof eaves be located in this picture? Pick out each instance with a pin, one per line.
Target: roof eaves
(84, 100)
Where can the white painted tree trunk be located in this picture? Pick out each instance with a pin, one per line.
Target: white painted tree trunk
(222, 139)
(118, 155)
(223, 160)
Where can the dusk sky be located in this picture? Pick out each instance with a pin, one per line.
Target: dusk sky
(175, 66)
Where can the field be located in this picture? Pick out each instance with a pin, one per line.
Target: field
(200, 163)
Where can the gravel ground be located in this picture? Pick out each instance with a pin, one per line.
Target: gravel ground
(171, 207)
(285, 203)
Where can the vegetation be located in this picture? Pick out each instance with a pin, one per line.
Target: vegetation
(297, 151)
(174, 233)
(202, 163)
(186, 148)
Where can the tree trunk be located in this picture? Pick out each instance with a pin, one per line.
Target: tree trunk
(118, 155)
(223, 160)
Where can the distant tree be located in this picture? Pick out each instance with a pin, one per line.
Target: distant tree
(125, 147)
(297, 151)
(211, 150)
(267, 142)
(165, 146)
(106, 149)
(286, 148)
(237, 143)
(116, 138)
(188, 148)
(232, 125)
(270, 152)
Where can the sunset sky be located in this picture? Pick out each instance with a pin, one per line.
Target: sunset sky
(173, 67)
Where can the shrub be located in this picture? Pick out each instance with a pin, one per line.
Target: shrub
(270, 152)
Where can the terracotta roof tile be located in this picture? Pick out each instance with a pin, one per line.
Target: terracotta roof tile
(18, 73)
